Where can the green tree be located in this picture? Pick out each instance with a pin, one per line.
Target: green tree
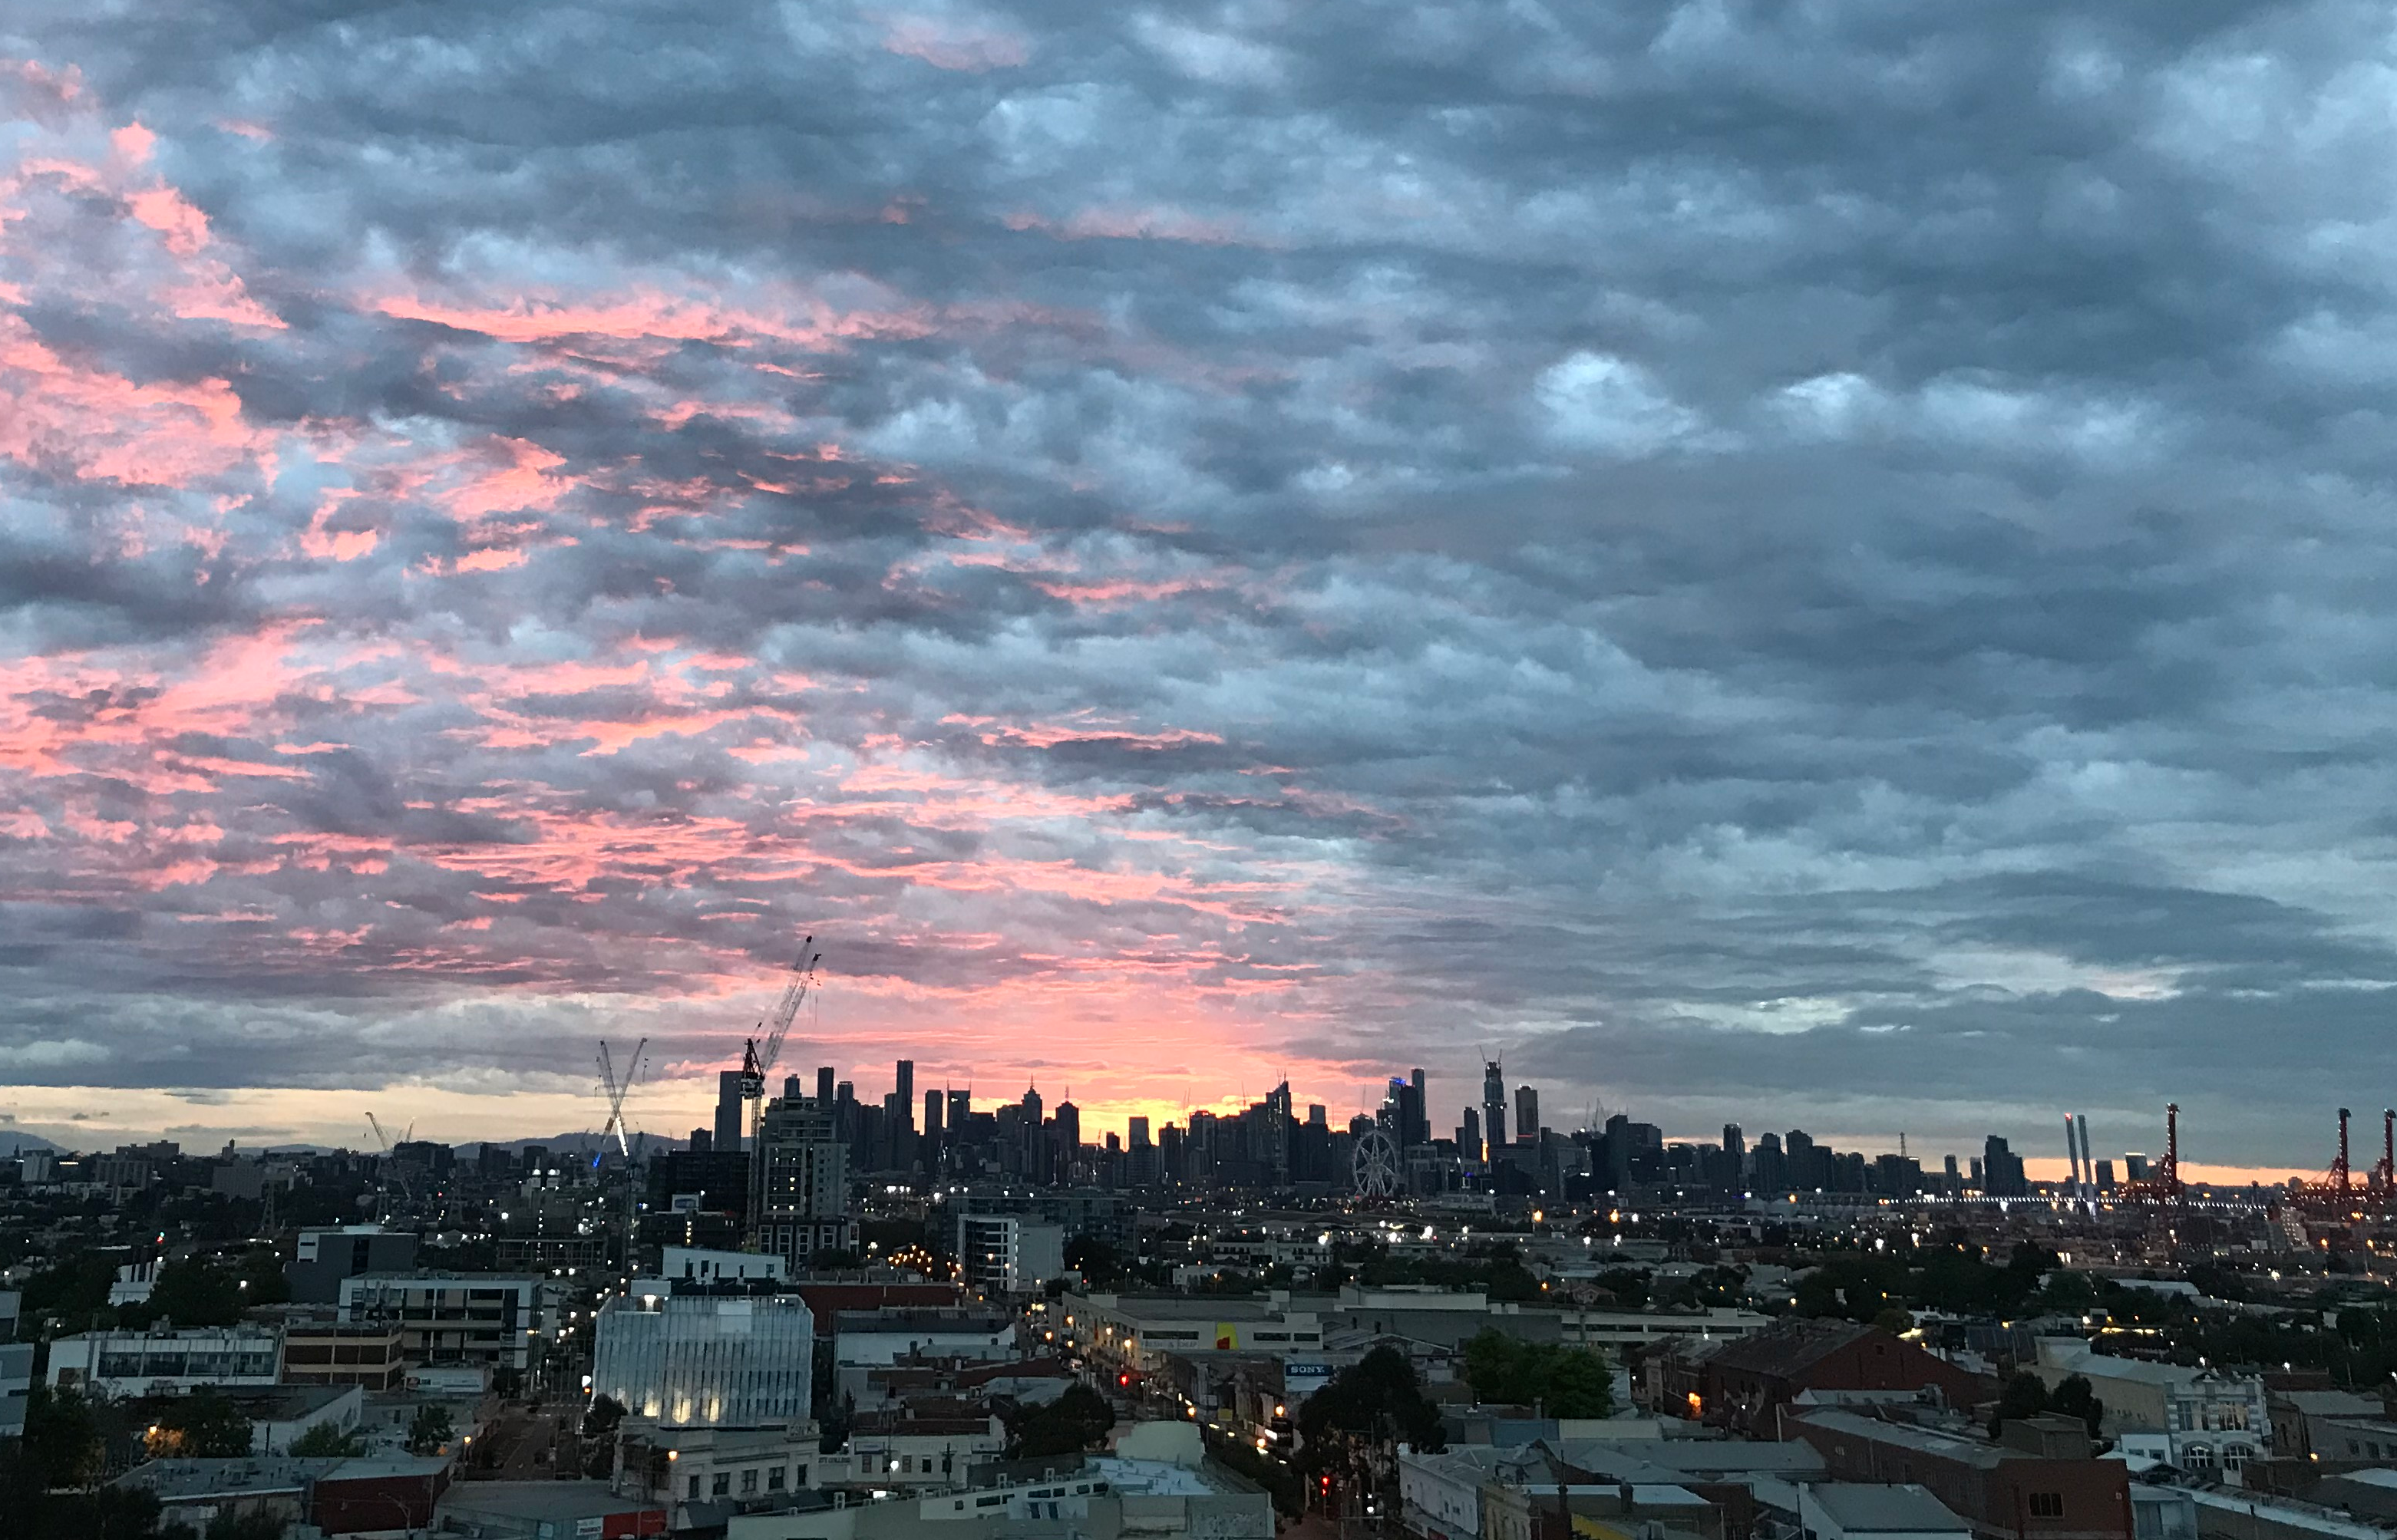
(1376, 1400)
(2024, 1395)
(201, 1426)
(429, 1430)
(192, 1292)
(330, 1441)
(1096, 1259)
(63, 1445)
(2075, 1396)
(1072, 1422)
(1562, 1381)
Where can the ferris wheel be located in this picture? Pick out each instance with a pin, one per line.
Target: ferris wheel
(1376, 1167)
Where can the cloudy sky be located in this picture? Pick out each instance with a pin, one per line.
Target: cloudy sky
(1823, 564)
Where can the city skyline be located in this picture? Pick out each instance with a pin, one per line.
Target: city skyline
(1734, 558)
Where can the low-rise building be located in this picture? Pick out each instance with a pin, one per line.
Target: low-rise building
(15, 1386)
(1157, 1498)
(1134, 1332)
(2207, 1418)
(1862, 1511)
(547, 1510)
(2042, 1483)
(701, 1264)
(167, 1360)
(1618, 1329)
(326, 1352)
(1743, 1383)
(492, 1319)
(325, 1257)
(885, 1336)
(704, 1476)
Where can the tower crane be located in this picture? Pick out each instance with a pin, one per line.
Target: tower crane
(757, 1062)
(616, 1090)
(387, 1170)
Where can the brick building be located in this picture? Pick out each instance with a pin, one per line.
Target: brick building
(2039, 1482)
(1744, 1382)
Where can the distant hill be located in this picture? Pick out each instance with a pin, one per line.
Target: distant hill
(14, 1144)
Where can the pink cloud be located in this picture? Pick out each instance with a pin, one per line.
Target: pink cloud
(945, 46)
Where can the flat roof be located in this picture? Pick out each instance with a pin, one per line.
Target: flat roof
(542, 1500)
(1886, 1509)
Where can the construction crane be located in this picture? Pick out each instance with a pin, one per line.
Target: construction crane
(387, 1170)
(616, 1090)
(757, 1062)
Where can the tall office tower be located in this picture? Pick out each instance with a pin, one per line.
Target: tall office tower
(934, 1116)
(1423, 1110)
(1136, 1130)
(2135, 1166)
(1494, 1105)
(960, 1109)
(1618, 1152)
(896, 1138)
(1734, 1141)
(907, 1086)
(1527, 1115)
(824, 1085)
(1318, 1117)
(1468, 1136)
(2002, 1170)
(2105, 1174)
(1415, 1125)
(1953, 1180)
(792, 1089)
(728, 1110)
(801, 1204)
(1067, 1123)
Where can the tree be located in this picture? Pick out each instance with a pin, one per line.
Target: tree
(1563, 1382)
(63, 1446)
(330, 1441)
(1095, 1259)
(192, 1292)
(1376, 1400)
(201, 1426)
(599, 1426)
(2075, 1396)
(2025, 1395)
(429, 1430)
(1070, 1424)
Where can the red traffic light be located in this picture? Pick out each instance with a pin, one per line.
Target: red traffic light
(1123, 1379)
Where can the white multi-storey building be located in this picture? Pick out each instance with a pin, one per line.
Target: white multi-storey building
(168, 1362)
(702, 1360)
(1005, 1253)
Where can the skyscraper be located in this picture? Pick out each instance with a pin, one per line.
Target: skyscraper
(1421, 1133)
(906, 1088)
(824, 1085)
(801, 1206)
(1527, 1115)
(1494, 1106)
(2002, 1170)
(728, 1110)
(1469, 1132)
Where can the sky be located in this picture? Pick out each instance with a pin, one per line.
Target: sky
(1813, 564)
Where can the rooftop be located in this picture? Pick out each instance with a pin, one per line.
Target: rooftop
(1886, 1509)
(176, 1481)
(541, 1500)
